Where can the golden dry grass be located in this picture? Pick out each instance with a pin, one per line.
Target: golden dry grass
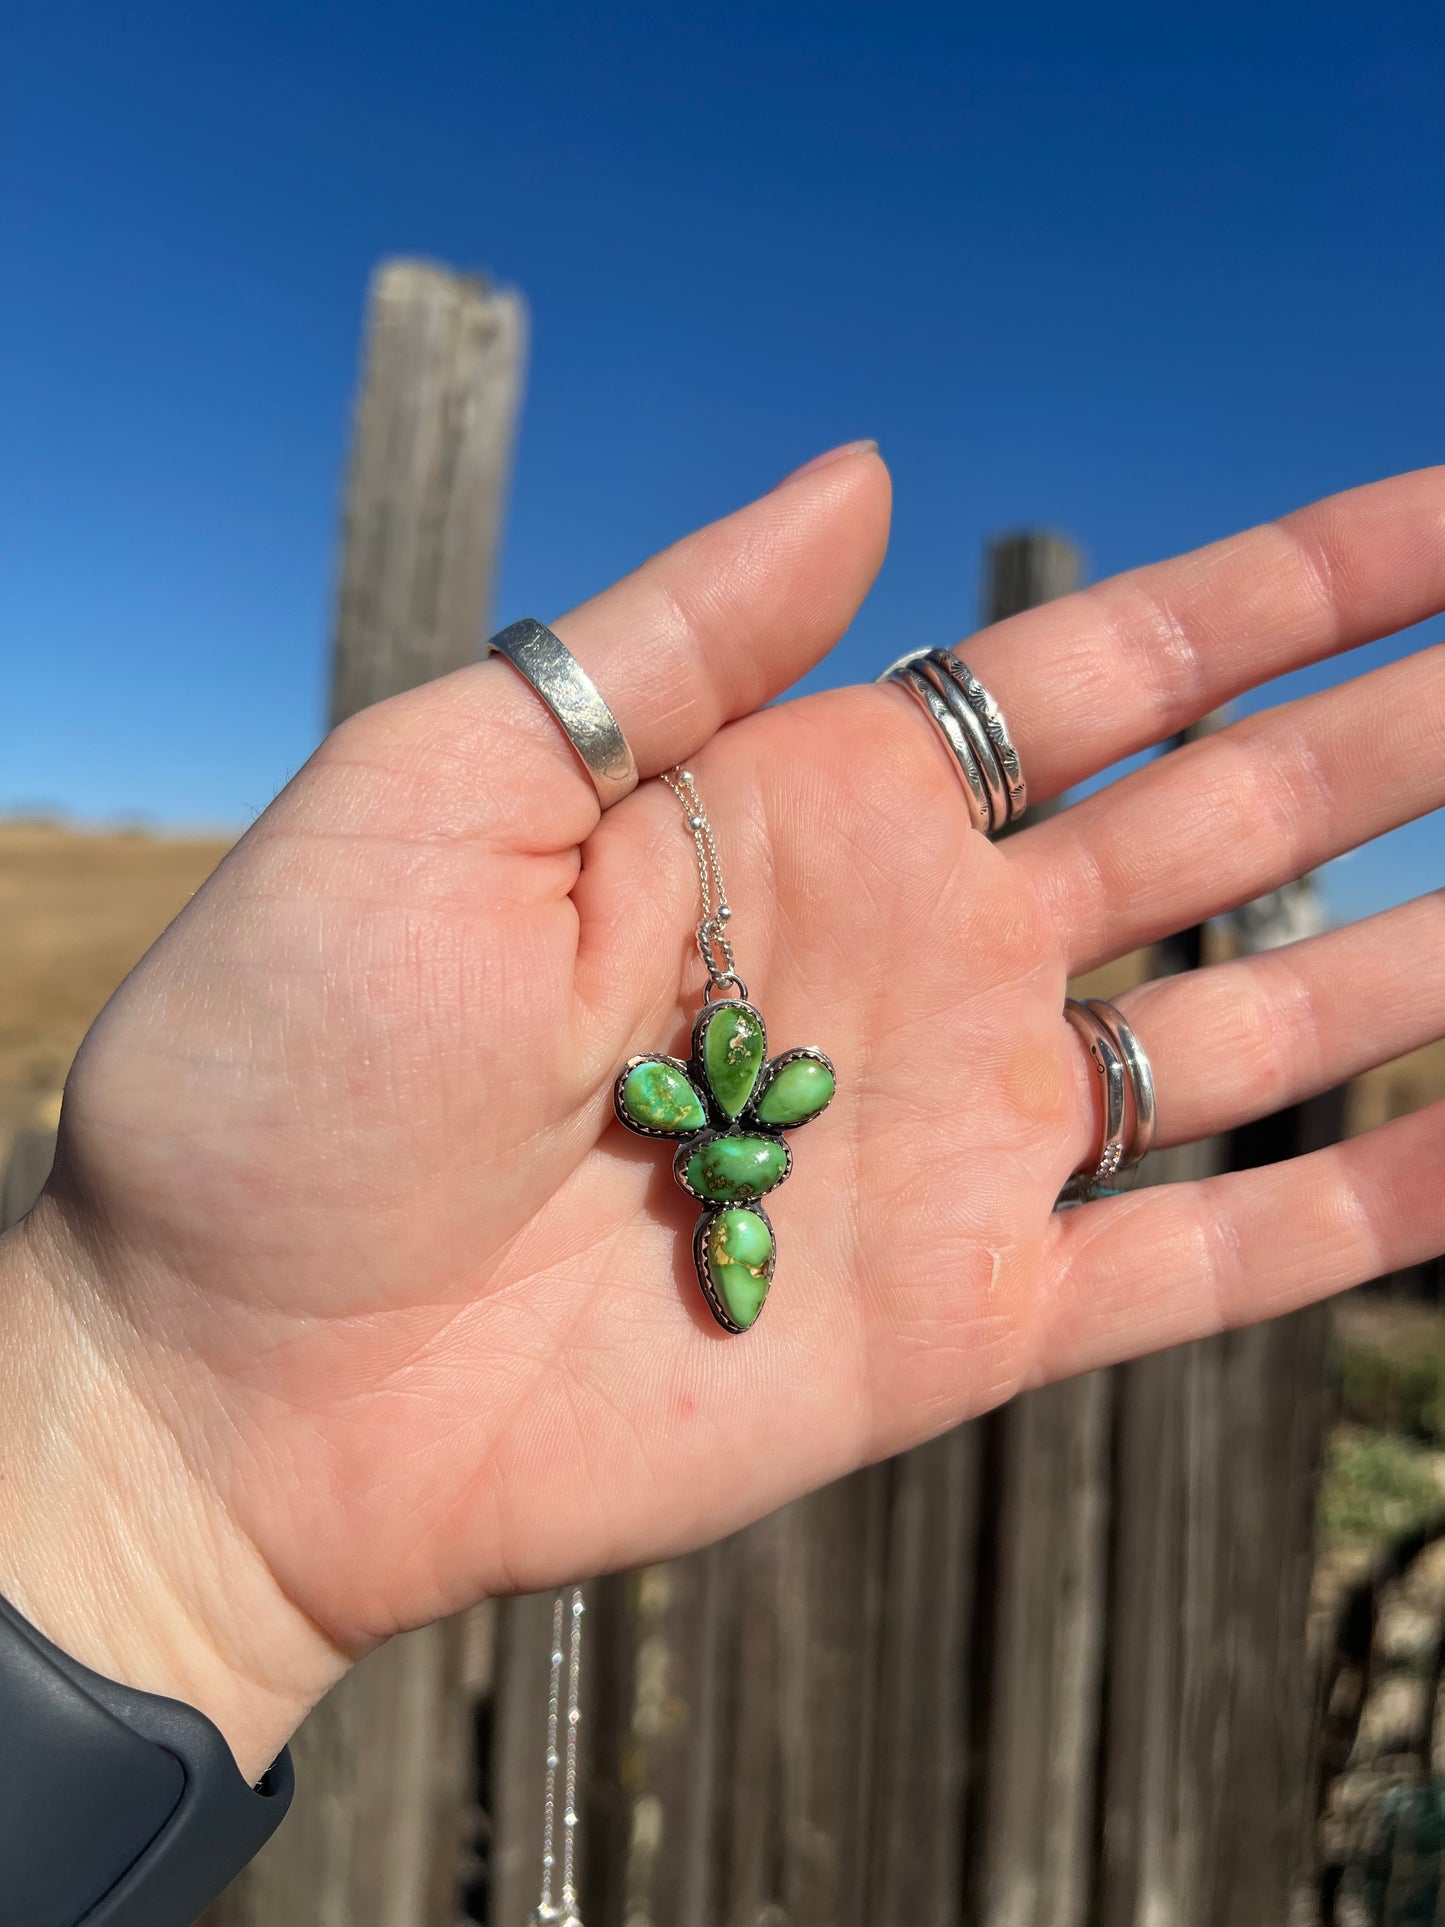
(77, 909)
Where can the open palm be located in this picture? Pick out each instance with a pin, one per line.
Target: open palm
(418, 1322)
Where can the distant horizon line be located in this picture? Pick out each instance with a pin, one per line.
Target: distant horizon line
(136, 823)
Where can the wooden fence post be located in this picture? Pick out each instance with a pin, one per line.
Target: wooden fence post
(383, 1766)
(1206, 1784)
(1042, 1581)
(429, 468)
(1026, 568)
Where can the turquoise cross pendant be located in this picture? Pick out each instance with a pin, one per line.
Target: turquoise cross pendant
(726, 1108)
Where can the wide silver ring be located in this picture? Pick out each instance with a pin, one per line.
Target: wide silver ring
(574, 699)
(1128, 1115)
(972, 725)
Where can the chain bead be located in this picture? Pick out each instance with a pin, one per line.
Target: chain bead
(712, 941)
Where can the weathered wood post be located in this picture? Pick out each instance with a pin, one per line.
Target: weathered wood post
(1040, 1624)
(429, 469)
(1207, 1787)
(383, 1767)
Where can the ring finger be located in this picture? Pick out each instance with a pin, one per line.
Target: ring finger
(1243, 1039)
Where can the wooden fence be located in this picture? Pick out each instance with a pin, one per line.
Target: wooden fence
(1047, 1671)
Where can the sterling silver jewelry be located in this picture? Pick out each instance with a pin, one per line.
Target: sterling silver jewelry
(972, 725)
(562, 1757)
(932, 700)
(1139, 1074)
(985, 755)
(1127, 1089)
(573, 698)
(726, 1106)
(1092, 1179)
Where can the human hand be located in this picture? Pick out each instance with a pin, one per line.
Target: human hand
(349, 1303)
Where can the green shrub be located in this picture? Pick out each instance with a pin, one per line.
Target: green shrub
(1398, 1387)
(1377, 1486)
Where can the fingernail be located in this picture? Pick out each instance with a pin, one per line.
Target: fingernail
(833, 455)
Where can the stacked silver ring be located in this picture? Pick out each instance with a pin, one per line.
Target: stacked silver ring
(1127, 1086)
(972, 725)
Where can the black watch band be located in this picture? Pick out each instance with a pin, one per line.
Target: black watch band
(117, 1808)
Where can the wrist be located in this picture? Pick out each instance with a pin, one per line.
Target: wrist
(112, 1542)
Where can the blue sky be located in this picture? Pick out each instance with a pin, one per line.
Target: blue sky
(1143, 274)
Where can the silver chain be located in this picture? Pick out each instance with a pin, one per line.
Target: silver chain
(716, 952)
(713, 944)
(562, 1756)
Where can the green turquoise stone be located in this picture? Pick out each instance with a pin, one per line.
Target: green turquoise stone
(729, 1168)
(732, 1055)
(659, 1097)
(738, 1252)
(797, 1092)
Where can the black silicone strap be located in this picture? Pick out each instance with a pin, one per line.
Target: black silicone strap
(117, 1808)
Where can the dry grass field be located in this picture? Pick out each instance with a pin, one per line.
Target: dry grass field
(77, 909)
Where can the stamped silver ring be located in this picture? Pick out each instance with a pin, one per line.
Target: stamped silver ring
(574, 699)
(1128, 1111)
(972, 725)
(935, 703)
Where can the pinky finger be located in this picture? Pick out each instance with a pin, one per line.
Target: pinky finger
(1184, 1261)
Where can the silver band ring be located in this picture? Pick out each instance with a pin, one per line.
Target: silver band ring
(984, 755)
(972, 725)
(975, 788)
(1140, 1074)
(1087, 1182)
(1127, 1082)
(996, 729)
(574, 699)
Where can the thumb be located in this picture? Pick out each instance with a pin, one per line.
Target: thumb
(708, 630)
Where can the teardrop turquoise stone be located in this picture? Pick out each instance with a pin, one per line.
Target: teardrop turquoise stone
(729, 1168)
(738, 1252)
(732, 1055)
(797, 1092)
(658, 1096)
